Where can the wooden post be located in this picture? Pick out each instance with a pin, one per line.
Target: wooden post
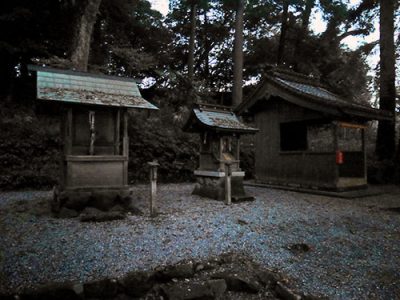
(125, 139)
(68, 141)
(336, 148)
(237, 148)
(228, 190)
(364, 150)
(221, 157)
(153, 187)
(92, 131)
(125, 147)
(116, 133)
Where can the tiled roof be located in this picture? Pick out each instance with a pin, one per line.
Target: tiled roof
(86, 88)
(219, 119)
(308, 91)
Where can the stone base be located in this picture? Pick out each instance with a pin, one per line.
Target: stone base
(103, 199)
(214, 188)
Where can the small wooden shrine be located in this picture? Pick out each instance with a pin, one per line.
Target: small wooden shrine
(220, 132)
(94, 129)
(309, 137)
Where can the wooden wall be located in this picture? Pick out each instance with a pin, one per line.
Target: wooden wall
(272, 165)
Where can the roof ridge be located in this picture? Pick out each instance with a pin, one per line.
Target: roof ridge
(295, 76)
(73, 72)
(213, 107)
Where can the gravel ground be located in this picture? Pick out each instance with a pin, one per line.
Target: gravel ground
(354, 244)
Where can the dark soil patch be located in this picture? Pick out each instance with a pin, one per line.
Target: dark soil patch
(392, 209)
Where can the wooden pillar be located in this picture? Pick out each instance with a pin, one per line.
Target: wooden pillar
(238, 148)
(92, 124)
(117, 132)
(68, 129)
(335, 132)
(68, 133)
(228, 187)
(221, 158)
(125, 147)
(63, 131)
(364, 150)
(153, 187)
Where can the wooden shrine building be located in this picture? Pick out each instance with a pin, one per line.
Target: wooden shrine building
(94, 131)
(308, 136)
(220, 132)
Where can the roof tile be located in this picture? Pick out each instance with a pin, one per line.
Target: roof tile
(83, 88)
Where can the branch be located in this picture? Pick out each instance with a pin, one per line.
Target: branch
(353, 32)
(367, 48)
(363, 6)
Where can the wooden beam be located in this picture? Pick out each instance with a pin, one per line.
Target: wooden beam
(352, 125)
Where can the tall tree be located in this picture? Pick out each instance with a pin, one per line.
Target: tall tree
(282, 37)
(385, 143)
(305, 21)
(83, 34)
(193, 13)
(237, 93)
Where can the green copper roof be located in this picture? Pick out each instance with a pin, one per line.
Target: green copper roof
(214, 117)
(86, 88)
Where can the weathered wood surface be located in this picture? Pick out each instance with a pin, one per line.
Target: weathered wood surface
(228, 188)
(317, 169)
(271, 164)
(153, 188)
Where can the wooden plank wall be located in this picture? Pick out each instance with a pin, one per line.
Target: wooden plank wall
(274, 166)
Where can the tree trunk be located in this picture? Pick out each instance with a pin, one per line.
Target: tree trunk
(385, 143)
(282, 38)
(83, 35)
(237, 93)
(97, 52)
(207, 46)
(191, 40)
(305, 21)
(305, 18)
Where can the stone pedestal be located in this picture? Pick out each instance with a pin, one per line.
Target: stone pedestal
(104, 199)
(211, 184)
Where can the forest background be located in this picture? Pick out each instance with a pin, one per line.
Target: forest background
(183, 57)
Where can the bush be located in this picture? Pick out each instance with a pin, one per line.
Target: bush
(29, 150)
(159, 137)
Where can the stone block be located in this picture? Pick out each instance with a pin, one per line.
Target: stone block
(67, 213)
(105, 288)
(239, 282)
(91, 214)
(214, 188)
(137, 284)
(182, 270)
(75, 200)
(103, 200)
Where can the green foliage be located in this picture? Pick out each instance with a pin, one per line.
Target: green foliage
(29, 149)
(159, 136)
(131, 39)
